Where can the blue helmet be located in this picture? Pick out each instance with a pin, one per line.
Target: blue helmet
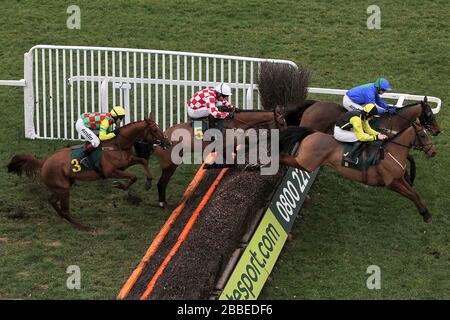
(382, 84)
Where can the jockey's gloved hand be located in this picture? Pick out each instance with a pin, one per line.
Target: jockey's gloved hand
(230, 115)
(116, 131)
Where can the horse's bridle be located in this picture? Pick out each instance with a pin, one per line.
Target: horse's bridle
(155, 142)
(425, 123)
(421, 147)
(426, 118)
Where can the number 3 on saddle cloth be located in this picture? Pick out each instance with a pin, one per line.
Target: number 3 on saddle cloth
(373, 153)
(92, 162)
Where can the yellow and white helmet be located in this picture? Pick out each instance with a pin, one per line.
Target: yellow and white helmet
(371, 110)
(118, 112)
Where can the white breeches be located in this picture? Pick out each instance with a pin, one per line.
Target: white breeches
(344, 135)
(198, 113)
(87, 133)
(350, 105)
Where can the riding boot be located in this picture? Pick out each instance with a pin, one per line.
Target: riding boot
(87, 150)
(350, 157)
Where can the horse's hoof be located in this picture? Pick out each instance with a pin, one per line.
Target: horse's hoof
(148, 184)
(117, 185)
(134, 199)
(427, 217)
(308, 200)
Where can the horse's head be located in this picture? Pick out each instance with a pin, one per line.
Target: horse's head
(423, 140)
(154, 134)
(427, 118)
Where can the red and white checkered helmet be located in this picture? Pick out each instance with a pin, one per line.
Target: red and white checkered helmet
(223, 89)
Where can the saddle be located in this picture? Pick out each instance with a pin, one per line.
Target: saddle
(370, 154)
(201, 125)
(91, 162)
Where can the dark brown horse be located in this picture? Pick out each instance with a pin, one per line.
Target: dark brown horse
(322, 116)
(317, 149)
(244, 119)
(117, 156)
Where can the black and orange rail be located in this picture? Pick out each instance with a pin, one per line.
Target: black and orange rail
(196, 252)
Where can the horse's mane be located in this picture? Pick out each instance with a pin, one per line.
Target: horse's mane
(409, 105)
(131, 123)
(384, 115)
(123, 127)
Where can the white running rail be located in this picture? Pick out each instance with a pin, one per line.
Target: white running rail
(62, 82)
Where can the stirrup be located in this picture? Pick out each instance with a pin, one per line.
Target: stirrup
(83, 158)
(351, 160)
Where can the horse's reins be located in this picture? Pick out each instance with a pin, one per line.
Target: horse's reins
(426, 125)
(117, 142)
(421, 147)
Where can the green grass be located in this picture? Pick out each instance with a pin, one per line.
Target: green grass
(347, 228)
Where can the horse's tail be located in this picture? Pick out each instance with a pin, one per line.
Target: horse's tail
(292, 135)
(293, 113)
(25, 163)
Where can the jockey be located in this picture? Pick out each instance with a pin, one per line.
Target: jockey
(369, 93)
(354, 126)
(98, 121)
(208, 101)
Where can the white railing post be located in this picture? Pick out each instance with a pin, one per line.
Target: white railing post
(250, 98)
(28, 96)
(124, 88)
(399, 103)
(192, 71)
(104, 96)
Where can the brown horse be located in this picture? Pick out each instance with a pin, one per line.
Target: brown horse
(117, 156)
(243, 119)
(322, 116)
(317, 149)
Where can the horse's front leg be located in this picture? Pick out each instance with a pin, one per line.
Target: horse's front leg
(122, 174)
(402, 187)
(148, 173)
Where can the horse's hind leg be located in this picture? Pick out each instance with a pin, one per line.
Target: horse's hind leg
(53, 199)
(402, 187)
(166, 174)
(65, 212)
(144, 163)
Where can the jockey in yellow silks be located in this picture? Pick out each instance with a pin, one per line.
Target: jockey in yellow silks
(354, 126)
(99, 121)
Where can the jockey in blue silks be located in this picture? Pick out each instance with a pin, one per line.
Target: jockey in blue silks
(359, 96)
